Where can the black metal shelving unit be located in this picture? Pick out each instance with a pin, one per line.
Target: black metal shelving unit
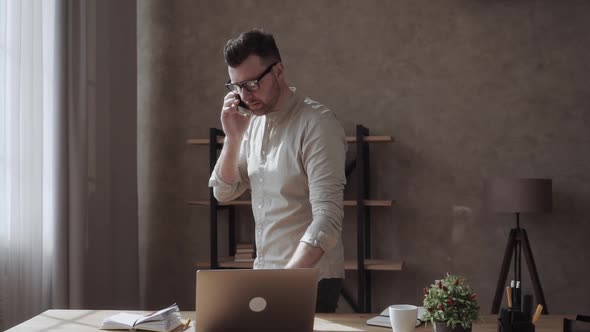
(358, 170)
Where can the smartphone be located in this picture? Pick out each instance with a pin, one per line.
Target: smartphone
(242, 107)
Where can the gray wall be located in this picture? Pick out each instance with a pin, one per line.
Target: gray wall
(469, 89)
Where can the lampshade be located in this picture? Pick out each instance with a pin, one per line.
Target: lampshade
(518, 195)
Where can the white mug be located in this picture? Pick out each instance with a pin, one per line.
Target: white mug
(403, 317)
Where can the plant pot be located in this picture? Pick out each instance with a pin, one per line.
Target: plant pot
(442, 327)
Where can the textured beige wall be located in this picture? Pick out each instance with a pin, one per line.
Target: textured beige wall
(470, 89)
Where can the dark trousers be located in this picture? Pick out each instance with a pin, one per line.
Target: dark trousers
(328, 294)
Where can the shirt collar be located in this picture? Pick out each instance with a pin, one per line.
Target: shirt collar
(293, 100)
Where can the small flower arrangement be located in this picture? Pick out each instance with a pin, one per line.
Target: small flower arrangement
(451, 301)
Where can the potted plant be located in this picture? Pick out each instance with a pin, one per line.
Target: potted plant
(450, 304)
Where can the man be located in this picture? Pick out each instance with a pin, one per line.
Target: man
(290, 152)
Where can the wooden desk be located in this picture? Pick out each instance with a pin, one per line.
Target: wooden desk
(90, 320)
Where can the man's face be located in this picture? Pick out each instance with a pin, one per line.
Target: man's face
(265, 99)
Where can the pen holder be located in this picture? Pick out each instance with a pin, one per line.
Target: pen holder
(514, 321)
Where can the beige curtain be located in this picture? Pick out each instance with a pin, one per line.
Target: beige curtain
(68, 190)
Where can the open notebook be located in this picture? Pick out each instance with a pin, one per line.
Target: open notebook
(383, 318)
(164, 320)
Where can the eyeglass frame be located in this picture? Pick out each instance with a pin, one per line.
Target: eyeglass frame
(243, 85)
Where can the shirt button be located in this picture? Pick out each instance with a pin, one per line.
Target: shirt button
(262, 151)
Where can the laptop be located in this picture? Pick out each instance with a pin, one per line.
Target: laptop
(256, 300)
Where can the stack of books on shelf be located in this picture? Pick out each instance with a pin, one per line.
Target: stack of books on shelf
(245, 252)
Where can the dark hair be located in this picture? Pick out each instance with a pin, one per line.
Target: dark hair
(253, 42)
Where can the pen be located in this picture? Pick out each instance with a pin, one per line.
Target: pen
(537, 313)
(186, 326)
(512, 289)
(527, 305)
(517, 295)
(509, 297)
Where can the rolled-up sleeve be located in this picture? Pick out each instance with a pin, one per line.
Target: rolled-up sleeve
(224, 191)
(324, 156)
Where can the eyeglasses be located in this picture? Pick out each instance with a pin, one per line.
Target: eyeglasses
(252, 85)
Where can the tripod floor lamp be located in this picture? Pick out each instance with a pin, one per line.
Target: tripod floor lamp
(518, 196)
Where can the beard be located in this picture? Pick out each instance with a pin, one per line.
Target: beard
(262, 107)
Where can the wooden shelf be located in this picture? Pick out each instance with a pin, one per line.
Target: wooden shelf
(349, 139)
(376, 265)
(203, 141)
(371, 139)
(370, 264)
(202, 202)
(346, 203)
(371, 202)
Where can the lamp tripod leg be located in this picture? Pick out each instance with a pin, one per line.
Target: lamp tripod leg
(530, 261)
(510, 246)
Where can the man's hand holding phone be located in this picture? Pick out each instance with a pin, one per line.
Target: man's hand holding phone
(233, 121)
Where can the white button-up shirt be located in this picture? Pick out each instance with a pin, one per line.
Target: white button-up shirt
(293, 161)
